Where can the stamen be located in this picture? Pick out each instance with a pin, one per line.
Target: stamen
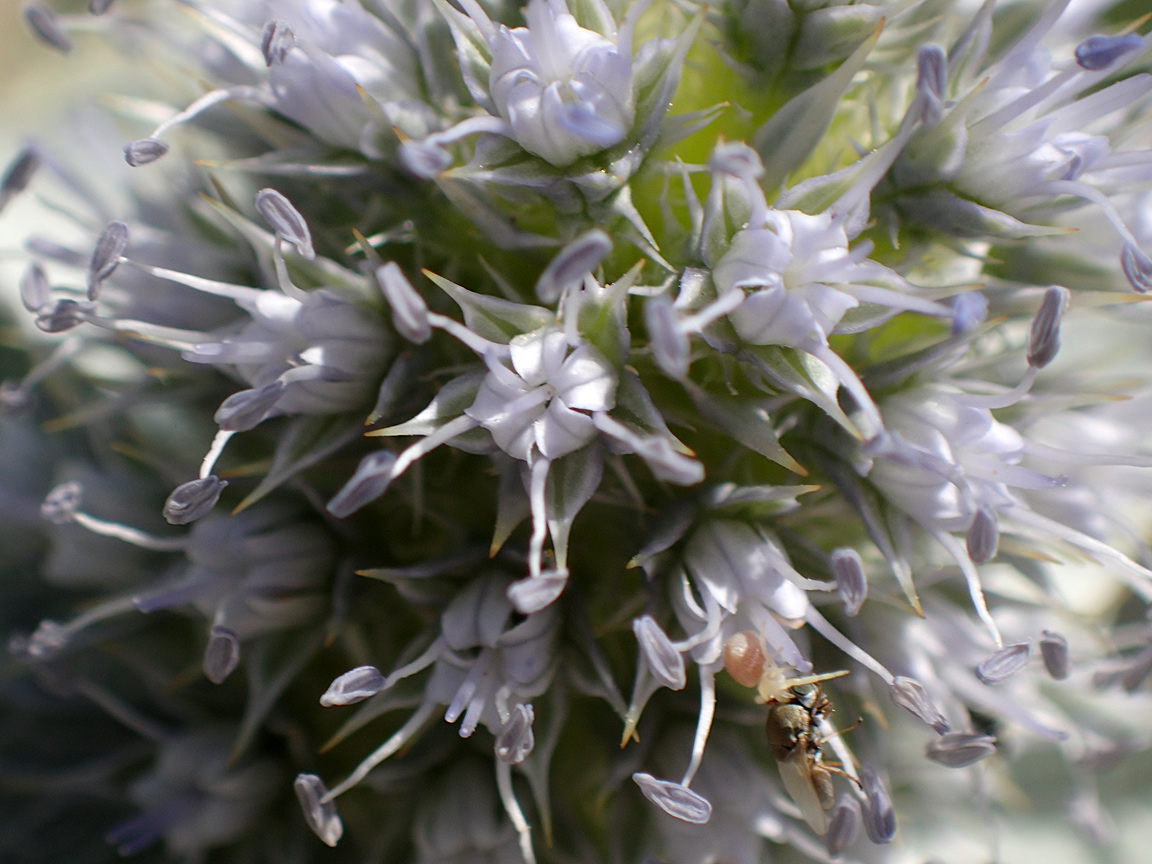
(1137, 267)
(319, 811)
(960, 749)
(534, 593)
(426, 659)
(666, 463)
(276, 41)
(1054, 652)
(910, 695)
(413, 453)
(62, 503)
(138, 832)
(194, 499)
(409, 311)
(246, 409)
(666, 336)
(392, 745)
(354, 686)
(1044, 337)
(106, 258)
(63, 315)
(851, 580)
(516, 739)
(286, 221)
(1004, 663)
(512, 808)
(931, 81)
(19, 175)
(1097, 53)
(821, 625)
(253, 94)
(968, 312)
(35, 292)
(846, 375)
(465, 336)
(1138, 578)
(51, 636)
(214, 452)
(46, 25)
(568, 269)
(221, 655)
(675, 799)
(664, 662)
(131, 535)
(373, 476)
(536, 497)
(983, 536)
(843, 825)
(972, 577)
(879, 817)
(144, 151)
(714, 311)
(427, 159)
(703, 723)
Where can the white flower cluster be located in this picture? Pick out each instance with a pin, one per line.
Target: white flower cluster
(492, 355)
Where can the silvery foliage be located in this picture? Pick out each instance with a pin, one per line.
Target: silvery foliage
(481, 409)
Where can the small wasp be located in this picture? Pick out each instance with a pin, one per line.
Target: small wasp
(795, 711)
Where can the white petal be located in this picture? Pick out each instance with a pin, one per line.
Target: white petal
(586, 380)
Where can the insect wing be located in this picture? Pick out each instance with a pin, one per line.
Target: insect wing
(798, 781)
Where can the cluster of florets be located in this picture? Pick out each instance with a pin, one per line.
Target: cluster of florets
(492, 355)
